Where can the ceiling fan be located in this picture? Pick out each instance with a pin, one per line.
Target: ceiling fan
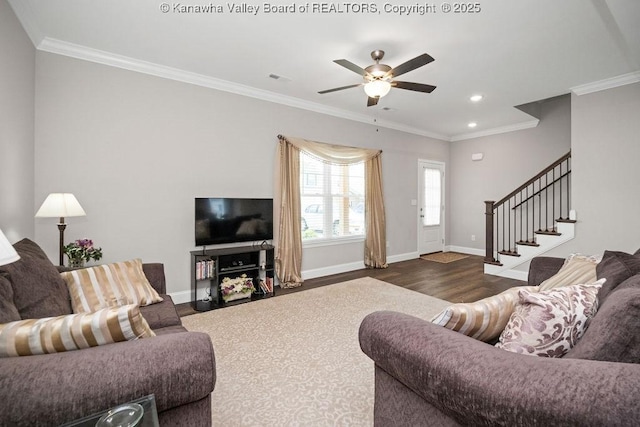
(378, 78)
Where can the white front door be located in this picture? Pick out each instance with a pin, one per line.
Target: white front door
(430, 207)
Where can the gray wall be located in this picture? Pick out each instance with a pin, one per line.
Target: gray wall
(509, 160)
(136, 150)
(605, 154)
(17, 69)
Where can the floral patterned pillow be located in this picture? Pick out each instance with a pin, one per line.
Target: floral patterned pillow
(550, 323)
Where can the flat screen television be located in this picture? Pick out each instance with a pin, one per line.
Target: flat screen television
(231, 220)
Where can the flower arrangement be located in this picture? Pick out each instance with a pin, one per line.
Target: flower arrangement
(80, 251)
(233, 289)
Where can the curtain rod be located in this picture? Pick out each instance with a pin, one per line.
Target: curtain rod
(282, 137)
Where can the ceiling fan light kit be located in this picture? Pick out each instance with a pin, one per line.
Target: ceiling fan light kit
(378, 78)
(377, 88)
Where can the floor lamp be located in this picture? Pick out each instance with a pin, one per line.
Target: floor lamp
(60, 205)
(7, 253)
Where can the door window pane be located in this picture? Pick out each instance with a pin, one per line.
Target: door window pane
(432, 197)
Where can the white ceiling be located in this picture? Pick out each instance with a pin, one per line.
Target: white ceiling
(512, 52)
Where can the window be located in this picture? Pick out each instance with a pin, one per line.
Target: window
(432, 198)
(332, 199)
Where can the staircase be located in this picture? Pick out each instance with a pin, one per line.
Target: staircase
(531, 220)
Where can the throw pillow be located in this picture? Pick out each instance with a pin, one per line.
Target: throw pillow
(577, 269)
(550, 322)
(632, 282)
(483, 320)
(38, 290)
(616, 267)
(613, 333)
(109, 285)
(72, 331)
(8, 310)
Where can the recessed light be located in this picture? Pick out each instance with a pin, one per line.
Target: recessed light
(472, 124)
(476, 98)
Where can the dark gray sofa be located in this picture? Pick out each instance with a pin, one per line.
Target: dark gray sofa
(177, 366)
(426, 375)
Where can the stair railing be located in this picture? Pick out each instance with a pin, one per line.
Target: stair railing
(532, 208)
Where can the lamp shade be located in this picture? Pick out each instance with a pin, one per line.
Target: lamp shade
(377, 88)
(7, 253)
(60, 205)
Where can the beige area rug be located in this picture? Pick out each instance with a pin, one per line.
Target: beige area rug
(444, 257)
(295, 360)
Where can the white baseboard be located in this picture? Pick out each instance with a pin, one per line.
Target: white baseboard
(402, 257)
(333, 269)
(511, 274)
(185, 296)
(351, 266)
(463, 250)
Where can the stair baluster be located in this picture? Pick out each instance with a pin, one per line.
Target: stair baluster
(519, 211)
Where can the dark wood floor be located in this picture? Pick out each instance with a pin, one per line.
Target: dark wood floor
(458, 281)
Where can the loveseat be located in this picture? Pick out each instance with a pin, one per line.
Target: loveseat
(428, 375)
(177, 366)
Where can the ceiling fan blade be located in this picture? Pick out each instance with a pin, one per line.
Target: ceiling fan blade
(372, 101)
(410, 65)
(340, 88)
(353, 67)
(418, 87)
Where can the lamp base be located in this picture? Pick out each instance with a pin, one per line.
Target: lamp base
(61, 227)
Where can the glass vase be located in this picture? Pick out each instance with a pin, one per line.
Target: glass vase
(76, 263)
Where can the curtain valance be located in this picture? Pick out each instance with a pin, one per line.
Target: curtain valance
(329, 153)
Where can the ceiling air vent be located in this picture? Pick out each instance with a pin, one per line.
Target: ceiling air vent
(280, 78)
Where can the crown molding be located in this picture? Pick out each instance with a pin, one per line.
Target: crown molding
(495, 131)
(605, 84)
(26, 16)
(124, 62)
(127, 63)
(131, 64)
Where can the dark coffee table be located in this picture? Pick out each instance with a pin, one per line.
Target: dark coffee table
(149, 419)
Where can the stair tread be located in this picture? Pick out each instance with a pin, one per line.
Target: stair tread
(509, 253)
(525, 243)
(548, 232)
(566, 220)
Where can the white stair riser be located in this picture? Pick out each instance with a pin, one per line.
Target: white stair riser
(545, 242)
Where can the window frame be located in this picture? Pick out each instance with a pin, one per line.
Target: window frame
(327, 198)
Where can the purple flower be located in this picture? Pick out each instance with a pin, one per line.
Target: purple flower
(85, 243)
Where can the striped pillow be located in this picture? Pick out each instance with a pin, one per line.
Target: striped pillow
(73, 331)
(576, 269)
(109, 285)
(485, 319)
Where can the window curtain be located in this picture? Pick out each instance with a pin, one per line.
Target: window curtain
(287, 218)
(289, 238)
(375, 244)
